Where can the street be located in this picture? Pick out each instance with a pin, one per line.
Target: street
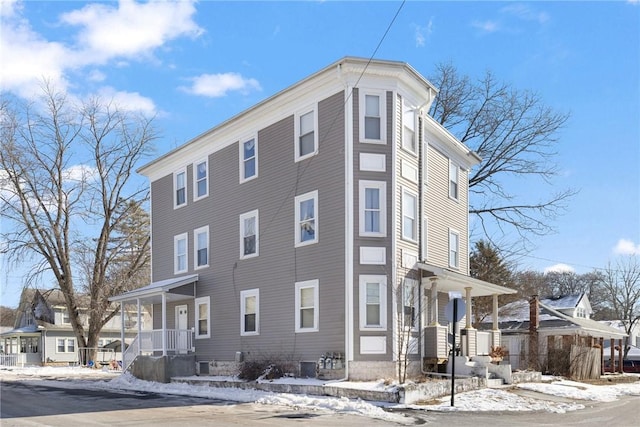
(26, 403)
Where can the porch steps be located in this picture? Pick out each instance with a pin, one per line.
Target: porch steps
(495, 382)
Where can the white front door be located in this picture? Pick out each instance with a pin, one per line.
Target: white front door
(181, 327)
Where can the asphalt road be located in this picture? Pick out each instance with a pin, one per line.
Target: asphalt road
(26, 403)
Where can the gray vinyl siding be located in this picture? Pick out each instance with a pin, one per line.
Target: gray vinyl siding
(279, 264)
(445, 213)
(359, 241)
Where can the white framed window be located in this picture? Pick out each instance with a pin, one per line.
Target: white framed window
(65, 317)
(180, 188)
(203, 317)
(410, 303)
(180, 255)
(454, 249)
(201, 247)
(373, 208)
(373, 302)
(409, 215)
(200, 179)
(249, 234)
(306, 134)
(249, 159)
(250, 312)
(306, 213)
(372, 117)
(409, 140)
(454, 174)
(307, 306)
(65, 345)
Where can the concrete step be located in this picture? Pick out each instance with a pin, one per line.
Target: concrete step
(495, 382)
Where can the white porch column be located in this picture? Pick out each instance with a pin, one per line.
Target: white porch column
(468, 301)
(164, 324)
(494, 312)
(434, 301)
(122, 326)
(139, 328)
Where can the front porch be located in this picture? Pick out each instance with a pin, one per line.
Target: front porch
(437, 285)
(166, 340)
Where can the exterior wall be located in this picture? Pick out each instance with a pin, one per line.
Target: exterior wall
(279, 264)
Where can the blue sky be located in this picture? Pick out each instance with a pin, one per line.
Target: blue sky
(194, 65)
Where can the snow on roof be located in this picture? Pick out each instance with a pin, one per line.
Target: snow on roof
(562, 301)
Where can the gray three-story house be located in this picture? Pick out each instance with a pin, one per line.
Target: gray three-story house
(329, 220)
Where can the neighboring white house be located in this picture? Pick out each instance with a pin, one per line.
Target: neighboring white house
(42, 334)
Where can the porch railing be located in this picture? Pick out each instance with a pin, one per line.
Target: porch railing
(9, 360)
(177, 341)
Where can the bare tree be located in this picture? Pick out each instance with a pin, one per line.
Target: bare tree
(621, 282)
(515, 134)
(67, 193)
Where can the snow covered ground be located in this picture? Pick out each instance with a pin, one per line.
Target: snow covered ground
(552, 395)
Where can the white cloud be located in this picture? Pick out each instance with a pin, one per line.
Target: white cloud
(217, 85)
(79, 173)
(131, 29)
(559, 268)
(626, 247)
(486, 26)
(525, 13)
(423, 33)
(129, 101)
(105, 34)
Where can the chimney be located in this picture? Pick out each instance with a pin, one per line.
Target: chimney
(534, 314)
(534, 323)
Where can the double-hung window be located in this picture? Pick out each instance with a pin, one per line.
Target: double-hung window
(454, 173)
(201, 247)
(250, 312)
(409, 131)
(454, 249)
(373, 302)
(180, 188)
(306, 303)
(180, 256)
(67, 345)
(306, 213)
(409, 216)
(249, 159)
(249, 229)
(200, 180)
(373, 208)
(372, 116)
(306, 126)
(203, 318)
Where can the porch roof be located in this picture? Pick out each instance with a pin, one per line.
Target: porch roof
(152, 293)
(449, 280)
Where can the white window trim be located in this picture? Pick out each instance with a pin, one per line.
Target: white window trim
(457, 180)
(199, 301)
(244, 216)
(424, 236)
(314, 110)
(411, 112)
(175, 188)
(382, 187)
(382, 283)
(415, 216)
(196, 233)
(299, 199)
(457, 234)
(316, 305)
(195, 179)
(183, 236)
(383, 115)
(242, 159)
(66, 345)
(243, 296)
